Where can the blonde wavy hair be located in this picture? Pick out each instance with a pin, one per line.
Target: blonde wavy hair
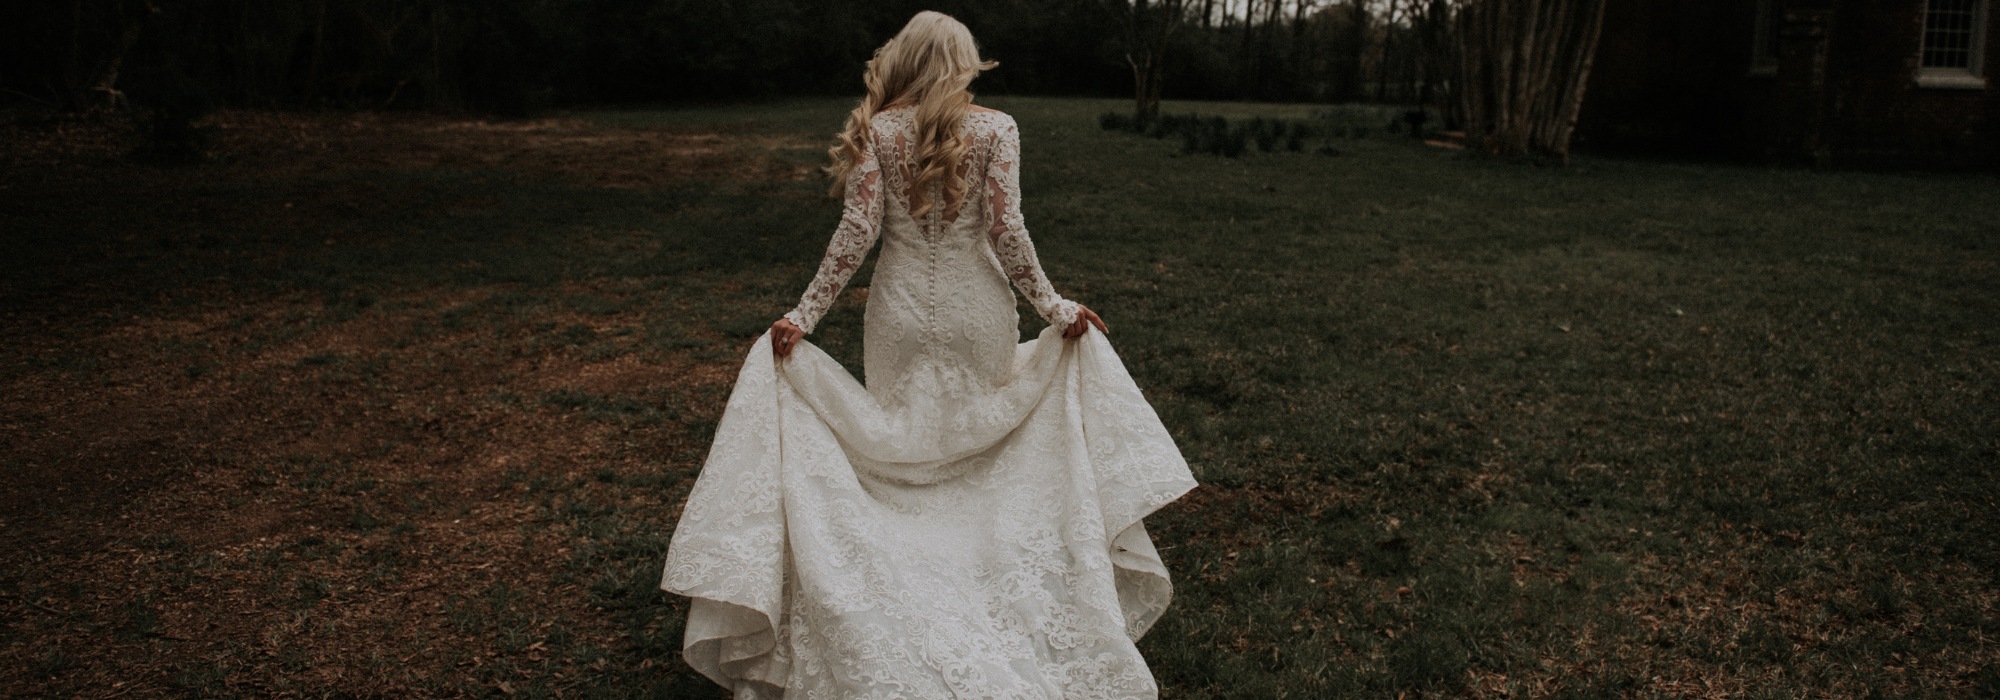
(928, 64)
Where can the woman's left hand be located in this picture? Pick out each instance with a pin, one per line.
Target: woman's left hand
(783, 336)
(1084, 319)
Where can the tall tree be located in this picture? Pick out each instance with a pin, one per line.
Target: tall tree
(1384, 66)
(1304, 54)
(1247, 52)
(1438, 56)
(125, 19)
(1354, 47)
(1524, 66)
(1148, 27)
(1274, 13)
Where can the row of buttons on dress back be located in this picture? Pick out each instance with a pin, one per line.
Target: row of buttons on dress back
(931, 235)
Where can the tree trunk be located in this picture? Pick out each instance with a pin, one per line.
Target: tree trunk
(1562, 126)
(1142, 68)
(1273, 22)
(72, 94)
(1149, 25)
(1440, 59)
(246, 58)
(1249, 51)
(1524, 65)
(312, 62)
(103, 91)
(1354, 50)
(1388, 47)
(1305, 57)
(1153, 83)
(434, 85)
(1143, 106)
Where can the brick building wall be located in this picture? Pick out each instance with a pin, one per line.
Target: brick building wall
(1665, 78)
(1836, 83)
(1881, 110)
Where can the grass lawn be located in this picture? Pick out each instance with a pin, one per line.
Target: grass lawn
(401, 405)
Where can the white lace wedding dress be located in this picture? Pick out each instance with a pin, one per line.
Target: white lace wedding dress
(965, 526)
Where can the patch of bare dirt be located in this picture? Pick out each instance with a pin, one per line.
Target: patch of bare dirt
(245, 145)
(244, 496)
(292, 513)
(573, 148)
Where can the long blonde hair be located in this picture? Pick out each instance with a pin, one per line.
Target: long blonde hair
(928, 64)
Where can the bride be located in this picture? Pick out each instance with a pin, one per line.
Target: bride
(967, 525)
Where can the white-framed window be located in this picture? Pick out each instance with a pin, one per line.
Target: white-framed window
(1764, 45)
(1953, 44)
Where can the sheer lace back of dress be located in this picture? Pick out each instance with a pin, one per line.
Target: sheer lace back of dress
(895, 133)
(993, 166)
(899, 147)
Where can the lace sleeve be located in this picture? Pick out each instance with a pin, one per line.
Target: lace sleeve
(860, 224)
(1010, 235)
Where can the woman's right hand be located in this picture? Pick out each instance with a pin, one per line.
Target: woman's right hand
(784, 335)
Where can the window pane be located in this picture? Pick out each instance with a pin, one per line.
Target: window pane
(1948, 33)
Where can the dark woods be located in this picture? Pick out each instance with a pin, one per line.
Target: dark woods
(506, 56)
(168, 61)
(520, 55)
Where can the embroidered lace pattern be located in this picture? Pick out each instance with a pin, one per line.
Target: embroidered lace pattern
(967, 525)
(996, 156)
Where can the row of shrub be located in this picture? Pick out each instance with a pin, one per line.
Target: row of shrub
(1217, 136)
